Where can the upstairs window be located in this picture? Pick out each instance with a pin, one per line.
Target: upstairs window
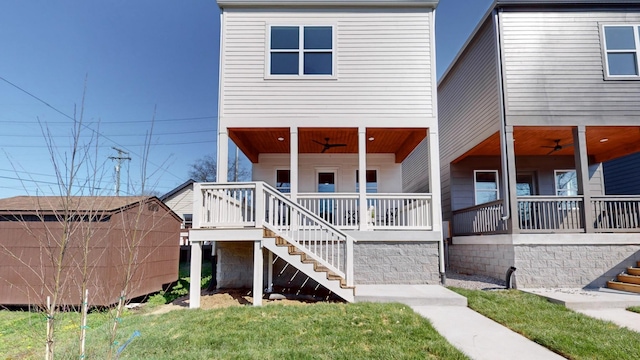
(301, 50)
(622, 50)
(486, 186)
(566, 183)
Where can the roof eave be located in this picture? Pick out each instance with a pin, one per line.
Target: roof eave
(328, 3)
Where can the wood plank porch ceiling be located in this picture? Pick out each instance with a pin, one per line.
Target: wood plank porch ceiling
(256, 141)
(531, 141)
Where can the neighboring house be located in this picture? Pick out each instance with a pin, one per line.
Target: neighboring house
(109, 232)
(542, 94)
(180, 200)
(322, 96)
(622, 175)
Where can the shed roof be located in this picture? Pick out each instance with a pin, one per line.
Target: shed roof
(78, 203)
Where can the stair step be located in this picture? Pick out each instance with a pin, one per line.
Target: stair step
(630, 279)
(623, 286)
(281, 241)
(268, 233)
(633, 271)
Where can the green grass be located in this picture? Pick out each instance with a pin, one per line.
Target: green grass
(319, 331)
(568, 333)
(181, 288)
(635, 309)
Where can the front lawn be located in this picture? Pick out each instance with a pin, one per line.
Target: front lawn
(568, 333)
(319, 331)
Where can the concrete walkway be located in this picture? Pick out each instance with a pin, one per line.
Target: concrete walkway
(475, 335)
(604, 304)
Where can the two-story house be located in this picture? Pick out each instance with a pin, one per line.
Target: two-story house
(327, 99)
(542, 94)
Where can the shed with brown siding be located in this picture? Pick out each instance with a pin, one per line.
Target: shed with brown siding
(105, 236)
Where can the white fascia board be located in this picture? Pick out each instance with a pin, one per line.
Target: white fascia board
(324, 3)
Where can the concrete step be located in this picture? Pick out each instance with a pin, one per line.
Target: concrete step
(412, 295)
(617, 285)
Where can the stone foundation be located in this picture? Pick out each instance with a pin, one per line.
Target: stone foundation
(545, 265)
(392, 262)
(235, 264)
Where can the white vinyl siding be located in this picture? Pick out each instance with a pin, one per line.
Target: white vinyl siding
(382, 67)
(555, 69)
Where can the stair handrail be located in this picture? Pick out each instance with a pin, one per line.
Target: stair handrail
(264, 188)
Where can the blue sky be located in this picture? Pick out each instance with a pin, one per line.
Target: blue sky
(141, 59)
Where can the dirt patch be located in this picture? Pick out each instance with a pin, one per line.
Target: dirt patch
(222, 298)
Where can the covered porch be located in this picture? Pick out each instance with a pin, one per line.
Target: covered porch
(547, 180)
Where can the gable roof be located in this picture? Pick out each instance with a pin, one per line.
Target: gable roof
(177, 189)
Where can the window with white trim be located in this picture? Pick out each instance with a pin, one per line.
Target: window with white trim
(486, 186)
(622, 50)
(283, 181)
(566, 183)
(301, 50)
(372, 181)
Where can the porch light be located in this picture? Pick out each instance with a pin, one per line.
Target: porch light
(371, 138)
(604, 140)
(280, 138)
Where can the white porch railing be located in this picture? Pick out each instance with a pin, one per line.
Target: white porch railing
(616, 213)
(384, 211)
(260, 205)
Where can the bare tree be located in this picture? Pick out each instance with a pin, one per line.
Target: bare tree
(204, 170)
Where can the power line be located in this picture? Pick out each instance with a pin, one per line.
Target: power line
(124, 146)
(114, 135)
(83, 125)
(121, 122)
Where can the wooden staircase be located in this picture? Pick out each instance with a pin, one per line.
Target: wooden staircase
(630, 281)
(309, 266)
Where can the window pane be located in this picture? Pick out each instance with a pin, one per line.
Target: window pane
(284, 63)
(317, 64)
(619, 38)
(622, 64)
(284, 37)
(283, 181)
(566, 183)
(317, 37)
(486, 181)
(485, 197)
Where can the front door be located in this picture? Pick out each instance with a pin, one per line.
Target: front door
(327, 184)
(525, 186)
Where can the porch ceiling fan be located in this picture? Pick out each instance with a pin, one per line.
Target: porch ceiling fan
(557, 146)
(328, 145)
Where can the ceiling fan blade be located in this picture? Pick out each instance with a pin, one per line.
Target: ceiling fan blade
(567, 145)
(549, 147)
(335, 145)
(318, 142)
(325, 149)
(552, 151)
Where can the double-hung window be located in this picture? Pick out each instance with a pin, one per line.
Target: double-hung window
(622, 51)
(486, 186)
(566, 183)
(283, 181)
(301, 50)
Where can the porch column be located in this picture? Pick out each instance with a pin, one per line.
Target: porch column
(582, 172)
(293, 165)
(511, 188)
(434, 179)
(195, 274)
(223, 156)
(258, 272)
(362, 177)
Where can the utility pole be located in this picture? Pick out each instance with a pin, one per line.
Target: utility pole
(119, 159)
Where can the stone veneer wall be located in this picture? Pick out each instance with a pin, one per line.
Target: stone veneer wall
(546, 265)
(235, 264)
(382, 262)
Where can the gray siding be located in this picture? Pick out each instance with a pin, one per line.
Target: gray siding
(554, 70)
(415, 170)
(468, 104)
(383, 68)
(542, 166)
(622, 176)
